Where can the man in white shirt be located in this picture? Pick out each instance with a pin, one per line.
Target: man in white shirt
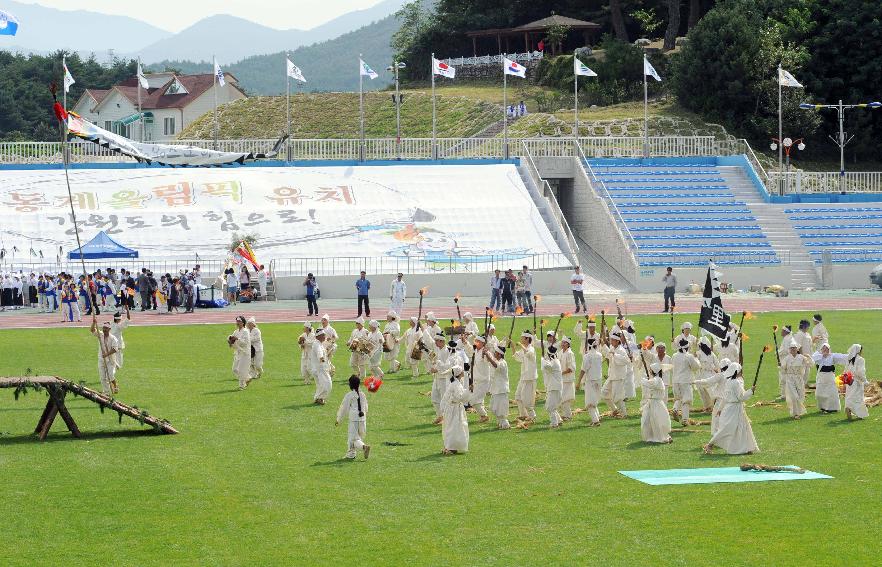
(670, 281)
(397, 294)
(495, 291)
(528, 289)
(577, 281)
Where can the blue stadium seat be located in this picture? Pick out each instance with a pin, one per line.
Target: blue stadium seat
(833, 217)
(722, 210)
(680, 237)
(668, 188)
(835, 210)
(676, 196)
(834, 226)
(705, 245)
(702, 204)
(660, 218)
(688, 228)
(842, 235)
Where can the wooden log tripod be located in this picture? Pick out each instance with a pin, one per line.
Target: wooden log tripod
(57, 390)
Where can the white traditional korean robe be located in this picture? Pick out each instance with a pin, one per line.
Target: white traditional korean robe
(321, 371)
(568, 377)
(826, 392)
(655, 421)
(242, 356)
(793, 369)
(685, 365)
(455, 428)
(393, 329)
(357, 424)
(551, 374)
(592, 366)
(854, 392)
(499, 389)
(525, 394)
(613, 390)
(257, 359)
(734, 434)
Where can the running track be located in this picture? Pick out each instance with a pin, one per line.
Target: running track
(288, 311)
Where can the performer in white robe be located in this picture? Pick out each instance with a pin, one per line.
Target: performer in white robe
(430, 329)
(551, 375)
(439, 367)
(353, 409)
(305, 340)
(819, 332)
(734, 434)
(655, 421)
(588, 331)
(568, 376)
(784, 350)
(686, 333)
(455, 427)
(330, 340)
(792, 370)
(469, 326)
(358, 360)
(492, 339)
(321, 370)
(481, 376)
(731, 345)
(685, 365)
(411, 336)
(392, 333)
(613, 390)
(107, 349)
(256, 370)
(525, 394)
(240, 342)
(631, 347)
(826, 392)
(804, 340)
(499, 386)
(375, 358)
(708, 366)
(716, 384)
(855, 403)
(116, 329)
(592, 375)
(397, 294)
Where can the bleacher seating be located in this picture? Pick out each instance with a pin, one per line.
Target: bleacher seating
(683, 214)
(846, 230)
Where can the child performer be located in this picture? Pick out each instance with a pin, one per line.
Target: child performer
(499, 386)
(655, 422)
(568, 375)
(354, 407)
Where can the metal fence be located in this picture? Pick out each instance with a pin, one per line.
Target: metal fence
(341, 266)
(824, 182)
(493, 59)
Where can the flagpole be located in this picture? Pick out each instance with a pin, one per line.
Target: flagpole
(504, 109)
(140, 115)
(361, 106)
(288, 106)
(645, 112)
(576, 99)
(64, 71)
(216, 123)
(434, 119)
(780, 129)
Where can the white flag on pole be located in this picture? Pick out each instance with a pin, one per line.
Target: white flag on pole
(443, 69)
(142, 80)
(649, 70)
(68, 78)
(581, 69)
(787, 80)
(366, 71)
(218, 74)
(510, 67)
(294, 71)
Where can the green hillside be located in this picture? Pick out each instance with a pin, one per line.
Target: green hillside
(335, 115)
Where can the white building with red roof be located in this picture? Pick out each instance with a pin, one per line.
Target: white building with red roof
(168, 105)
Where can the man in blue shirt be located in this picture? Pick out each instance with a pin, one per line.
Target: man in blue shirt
(363, 285)
(310, 285)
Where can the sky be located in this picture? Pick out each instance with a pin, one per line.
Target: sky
(175, 15)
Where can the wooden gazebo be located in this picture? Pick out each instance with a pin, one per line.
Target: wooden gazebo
(531, 32)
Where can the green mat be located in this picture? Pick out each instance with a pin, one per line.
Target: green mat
(712, 475)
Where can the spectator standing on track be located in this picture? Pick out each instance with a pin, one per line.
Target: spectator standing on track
(232, 285)
(244, 278)
(519, 287)
(528, 289)
(397, 294)
(670, 281)
(496, 291)
(311, 286)
(363, 286)
(507, 290)
(261, 282)
(144, 289)
(577, 281)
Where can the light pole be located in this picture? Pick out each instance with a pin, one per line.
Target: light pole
(396, 98)
(787, 144)
(842, 141)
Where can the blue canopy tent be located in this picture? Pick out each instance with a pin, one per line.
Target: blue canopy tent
(100, 247)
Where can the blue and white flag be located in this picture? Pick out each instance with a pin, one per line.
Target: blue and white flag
(648, 69)
(68, 78)
(366, 71)
(510, 67)
(294, 71)
(581, 69)
(8, 23)
(218, 74)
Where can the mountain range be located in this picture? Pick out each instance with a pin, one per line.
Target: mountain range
(328, 66)
(229, 38)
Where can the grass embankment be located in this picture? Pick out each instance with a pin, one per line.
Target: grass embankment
(256, 477)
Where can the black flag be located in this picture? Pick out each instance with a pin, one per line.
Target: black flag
(713, 319)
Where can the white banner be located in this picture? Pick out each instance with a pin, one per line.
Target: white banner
(417, 211)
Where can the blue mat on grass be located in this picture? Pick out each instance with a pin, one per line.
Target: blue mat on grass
(712, 475)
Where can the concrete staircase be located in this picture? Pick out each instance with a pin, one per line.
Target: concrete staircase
(777, 228)
(554, 227)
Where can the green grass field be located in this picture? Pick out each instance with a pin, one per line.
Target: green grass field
(257, 477)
